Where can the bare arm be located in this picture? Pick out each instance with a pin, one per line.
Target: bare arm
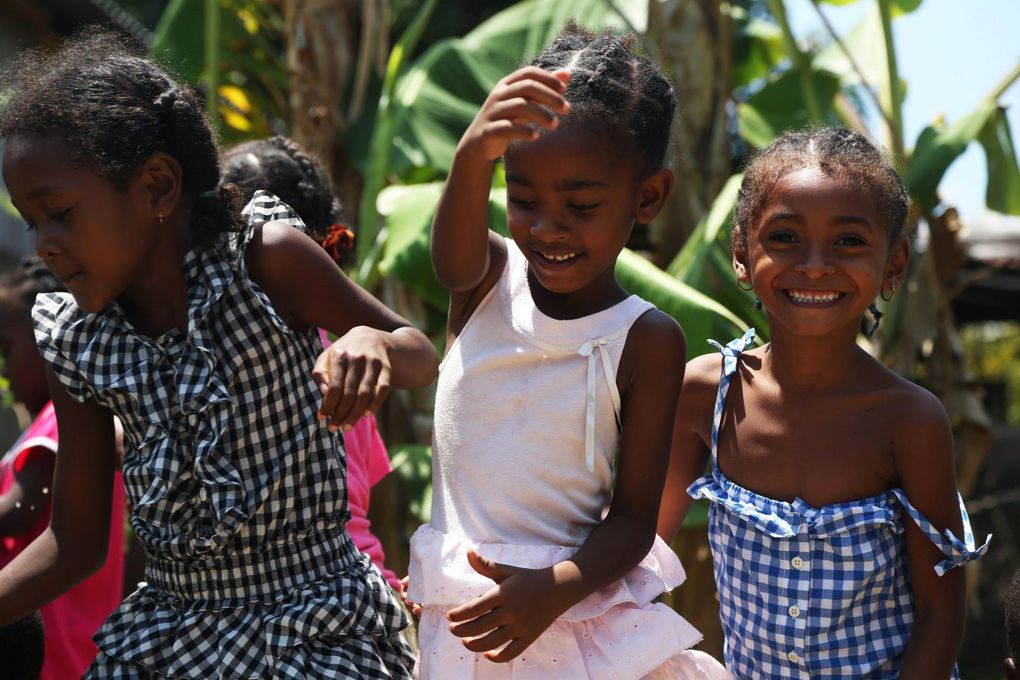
(25, 502)
(376, 348)
(690, 450)
(526, 602)
(74, 545)
(924, 459)
(460, 229)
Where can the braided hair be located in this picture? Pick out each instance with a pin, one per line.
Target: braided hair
(19, 286)
(614, 89)
(113, 110)
(838, 153)
(281, 166)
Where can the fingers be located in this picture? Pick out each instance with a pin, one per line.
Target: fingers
(554, 80)
(511, 651)
(493, 640)
(350, 387)
(537, 93)
(488, 568)
(478, 626)
(476, 607)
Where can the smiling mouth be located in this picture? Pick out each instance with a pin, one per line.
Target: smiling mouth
(556, 258)
(813, 297)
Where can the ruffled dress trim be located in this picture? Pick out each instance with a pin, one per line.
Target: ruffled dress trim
(780, 519)
(616, 632)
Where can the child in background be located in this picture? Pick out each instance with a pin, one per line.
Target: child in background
(199, 331)
(835, 518)
(1013, 628)
(557, 393)
(283, 168)
(26, 478)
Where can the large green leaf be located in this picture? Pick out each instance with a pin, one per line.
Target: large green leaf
(757, 48)
(780, 106)
(1003, 193)
(936, 149)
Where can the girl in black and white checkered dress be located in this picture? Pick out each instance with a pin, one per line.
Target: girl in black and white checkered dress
(198, 330)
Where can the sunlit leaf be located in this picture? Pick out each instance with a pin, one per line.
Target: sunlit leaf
(937, 148)
(1003, 192)
(757, 50)
(899, 7)
(780, 106)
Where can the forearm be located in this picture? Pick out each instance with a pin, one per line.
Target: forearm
(615, 547)
(934, 645)
(46, 569)
(413, 359)
(460, 229)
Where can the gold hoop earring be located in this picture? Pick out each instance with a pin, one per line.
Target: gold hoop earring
(746, 290)
(892, 293)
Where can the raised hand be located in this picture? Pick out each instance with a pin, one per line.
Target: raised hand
(353, 375)
(519, 104)
(503, 622)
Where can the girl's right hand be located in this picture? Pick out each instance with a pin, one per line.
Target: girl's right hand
(526, 98)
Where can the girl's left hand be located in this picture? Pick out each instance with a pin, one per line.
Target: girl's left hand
(524, 603)
(353, 375)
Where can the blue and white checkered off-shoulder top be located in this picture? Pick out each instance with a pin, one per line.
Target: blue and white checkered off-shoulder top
(811, 592)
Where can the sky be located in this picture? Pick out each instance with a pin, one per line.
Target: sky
(951, 53)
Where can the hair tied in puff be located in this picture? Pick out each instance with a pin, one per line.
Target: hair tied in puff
(338, 242)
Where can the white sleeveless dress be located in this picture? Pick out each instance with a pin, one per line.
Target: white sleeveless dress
(525, 440)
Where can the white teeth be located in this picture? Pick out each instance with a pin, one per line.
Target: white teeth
(806, 297)
(559, 258)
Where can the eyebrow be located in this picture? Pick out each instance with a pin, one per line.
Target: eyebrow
(839, 220)
(562, 185)
(41, 191)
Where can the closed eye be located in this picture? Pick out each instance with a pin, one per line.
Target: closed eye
(59, 215)
(582, 207)
(524, 203)
(851, 240)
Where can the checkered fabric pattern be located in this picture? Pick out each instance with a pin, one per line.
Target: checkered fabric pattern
(238, 492)
(810, 592)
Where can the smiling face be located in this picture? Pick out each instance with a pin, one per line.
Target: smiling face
(93, 236)
(572, 199)
(819, 254)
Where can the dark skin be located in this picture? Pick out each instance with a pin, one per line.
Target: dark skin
(570, 208)
(127, 244)
(813, 416)
(1009, 669)
(27, 499)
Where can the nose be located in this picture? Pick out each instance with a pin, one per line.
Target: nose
(546, 227)
(816, 263)
(46, 245)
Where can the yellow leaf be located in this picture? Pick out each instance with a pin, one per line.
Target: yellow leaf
(251, 24)
(235, 98)
(235, 119)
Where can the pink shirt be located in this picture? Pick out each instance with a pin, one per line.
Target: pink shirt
(367, 463)
(71, 619)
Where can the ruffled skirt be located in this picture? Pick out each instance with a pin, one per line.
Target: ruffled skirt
(616, 632)
(316, 612)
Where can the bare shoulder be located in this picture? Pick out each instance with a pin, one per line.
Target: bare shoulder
(275, 247)
(655, 348)
(463, 304)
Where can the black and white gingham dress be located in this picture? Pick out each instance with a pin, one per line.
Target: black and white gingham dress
(239, 493)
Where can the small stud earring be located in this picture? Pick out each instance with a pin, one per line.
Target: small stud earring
(159, 216)
(757, 304)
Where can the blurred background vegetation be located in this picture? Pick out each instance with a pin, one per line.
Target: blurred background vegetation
(381, 91)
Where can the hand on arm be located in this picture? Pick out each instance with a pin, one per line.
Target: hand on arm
(923, 447)
(517, 106)
(377, 348)
(74, 545)
(525, 602)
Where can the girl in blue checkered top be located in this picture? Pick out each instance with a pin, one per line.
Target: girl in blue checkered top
(835, 521)
(197, 327)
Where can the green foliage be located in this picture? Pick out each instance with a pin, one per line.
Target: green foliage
(412, 464)
(991, 350)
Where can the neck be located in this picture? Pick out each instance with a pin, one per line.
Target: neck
(156, 301)
(812, 364)
(600, 294)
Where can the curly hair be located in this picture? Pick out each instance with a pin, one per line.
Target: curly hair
(615, 88)
(280, 165)
(837, 152)
(113, 110)
(19, 286)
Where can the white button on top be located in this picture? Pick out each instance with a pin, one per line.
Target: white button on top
(793, 656)
(794, 611)
(797, 562)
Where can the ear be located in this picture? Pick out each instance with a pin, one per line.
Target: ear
(739, 248)
(897, 264)
(160, 181)
(652, 194)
